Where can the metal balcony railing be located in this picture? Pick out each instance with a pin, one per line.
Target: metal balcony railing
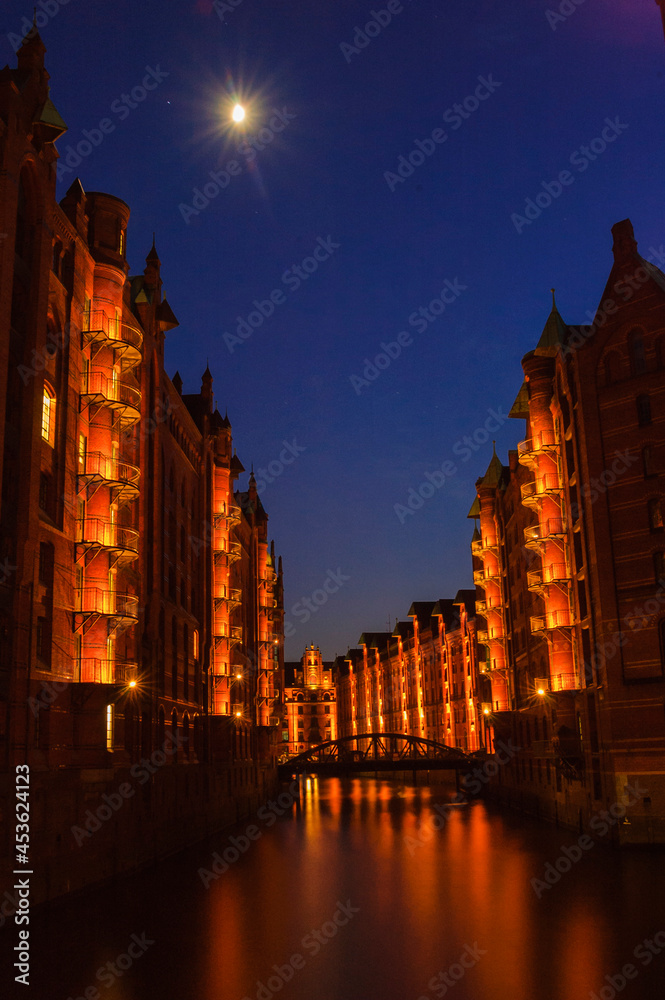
(101, 671)
(529, 450)
(481, 607)
(564, 682)
(546, 485)
(562, 618)
(104, 388)
(101, 330)
(552, 527)
(121, 477)
(95, 532)
(546, 575)
(108, 603)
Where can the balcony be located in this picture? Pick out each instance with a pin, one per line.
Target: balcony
(227, 633)
(481, 607)
(564, 682)
(231, 551)
(552, 528)
(546, 485)
(477, 548)
(530, 450)
(552, 620)
(102, 470)
(96, 535)
(120, 609)
(482, 635)
(100, 330)
(104, 388)
(100, 671)
(231, 599)
(538, 579)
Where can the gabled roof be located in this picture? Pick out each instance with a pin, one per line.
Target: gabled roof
(374, 640)
(466, 598)
(445, 608)
(422, 610)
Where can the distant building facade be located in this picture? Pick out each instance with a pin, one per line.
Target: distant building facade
(564, 652)
(310, 703)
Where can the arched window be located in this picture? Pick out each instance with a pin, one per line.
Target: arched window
(638, 364)
(48, 414)
(185, 734)
(612, 368)
(643, 410)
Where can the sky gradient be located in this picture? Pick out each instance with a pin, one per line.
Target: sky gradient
(361, 208)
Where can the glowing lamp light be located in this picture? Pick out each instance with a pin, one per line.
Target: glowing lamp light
(132, 684)
(540, 691)
(238, 113)
(238, 714)
(486, 711)
(238, 677)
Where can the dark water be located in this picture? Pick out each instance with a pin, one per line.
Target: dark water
(417, 906)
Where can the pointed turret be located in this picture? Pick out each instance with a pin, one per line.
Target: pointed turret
(151, 273)
(177, 383)
(555, 332)
(206, 389)
(494, 473)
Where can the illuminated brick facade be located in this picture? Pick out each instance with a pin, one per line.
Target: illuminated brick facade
(310, 703)
(140, 600)
(565, 654)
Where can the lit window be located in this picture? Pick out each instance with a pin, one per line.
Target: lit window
(109, 727)
(195, 644)
(48, 415)
(121, 243)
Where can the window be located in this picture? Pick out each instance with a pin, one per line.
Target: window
(655, 510)
(83, 447)
(110, 724)
(643, 410)
(195, 644)
(659, 567)
(649, 461)
(48, 415)
(121, 243)
(300, 711)
(612, 368)
(636, 352)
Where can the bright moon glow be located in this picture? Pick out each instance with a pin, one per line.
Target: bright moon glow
(238, 113)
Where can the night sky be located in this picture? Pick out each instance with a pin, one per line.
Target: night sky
(315, 212)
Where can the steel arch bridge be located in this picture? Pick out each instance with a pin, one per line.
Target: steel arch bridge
(379, 752)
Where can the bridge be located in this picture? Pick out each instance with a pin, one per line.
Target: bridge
(379, 752)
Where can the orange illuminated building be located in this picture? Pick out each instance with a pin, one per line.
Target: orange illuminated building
(140, 600)
(422, 679)
(310, 703)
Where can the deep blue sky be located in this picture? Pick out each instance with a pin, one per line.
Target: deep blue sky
(333, 508)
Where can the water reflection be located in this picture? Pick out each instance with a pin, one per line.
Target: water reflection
(432, 886)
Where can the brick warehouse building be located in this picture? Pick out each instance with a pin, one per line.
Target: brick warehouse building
(310, 705)
(569, 567)
(140, 600)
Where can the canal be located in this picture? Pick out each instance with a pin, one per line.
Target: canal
(364, 889)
